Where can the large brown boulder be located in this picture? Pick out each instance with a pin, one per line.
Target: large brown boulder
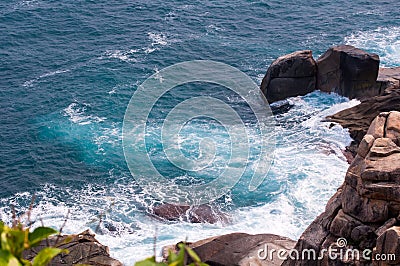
(194, 214)
(367, 205)
(240, 249)
(83, 249)
(290, 75)
(348, 71)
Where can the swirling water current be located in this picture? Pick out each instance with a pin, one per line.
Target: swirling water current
(69, 68)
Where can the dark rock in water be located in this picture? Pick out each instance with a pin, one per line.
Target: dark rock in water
(194, 214)
(170, 212)
(240, 249)
(366, 208)
(290, 75)
(83, 249)
(281, 107)
(348, 71)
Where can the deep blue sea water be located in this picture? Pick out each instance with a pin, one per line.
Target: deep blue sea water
(69, 68)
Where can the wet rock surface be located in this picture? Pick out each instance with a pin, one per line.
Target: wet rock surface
(348, 71)
(290, 75)
(194, 214)
(83, 249)
(240, 249)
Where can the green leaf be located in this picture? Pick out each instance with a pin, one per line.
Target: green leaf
(147, 262)
(1, 226)
(150, 262)
(181, 254)
(46, 255)
(7, 259)
(172, 256)
(13, 241)
(192, 254)
(39, 234)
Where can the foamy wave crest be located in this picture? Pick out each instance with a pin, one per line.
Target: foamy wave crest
(29, 83)
(308, 168)
(127, 56)
(133, 55)
(383, 41)
(208, 112)
(157, 40)
(76, 114)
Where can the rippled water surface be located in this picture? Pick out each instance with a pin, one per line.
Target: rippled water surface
(68, 70)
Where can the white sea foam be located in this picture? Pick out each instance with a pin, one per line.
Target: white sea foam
(384, 40)
(27, 4)
(127, 56)
(76, 113)
(29, 83)
(309, 167)
(157, 40)
(212, 28)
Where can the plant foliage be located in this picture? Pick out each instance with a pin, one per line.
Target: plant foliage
(175, 259)
(14, 240)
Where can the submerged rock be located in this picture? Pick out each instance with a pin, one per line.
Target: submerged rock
(281, 107)
(348, 71)
(290, 75)
(83, 249)
(194, 214)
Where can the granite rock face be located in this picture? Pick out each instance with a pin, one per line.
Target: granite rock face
(83, 249)
(389, 243)
(343, 69)
(348, 71)
(366, 208)
(290, 75)
(358, 118)
(240, 249)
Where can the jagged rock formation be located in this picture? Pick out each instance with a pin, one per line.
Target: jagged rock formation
(239, 249)
(365, 210)
(83, 249)
(290, 75)
(343, 69)
(348, 71)
(358, 118)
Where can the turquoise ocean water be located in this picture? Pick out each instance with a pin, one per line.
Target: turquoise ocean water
(69, 68)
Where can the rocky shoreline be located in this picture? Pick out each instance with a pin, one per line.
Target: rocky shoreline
(365, 211)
